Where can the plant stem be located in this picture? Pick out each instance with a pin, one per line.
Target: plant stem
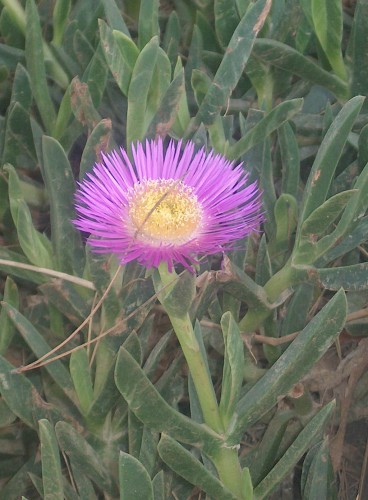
(225, 459)
(229, 470)
(278, 283)
(198, 370)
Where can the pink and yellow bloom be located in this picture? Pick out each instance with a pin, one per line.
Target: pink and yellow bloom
(166, 205)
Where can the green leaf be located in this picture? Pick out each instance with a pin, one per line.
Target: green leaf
(36, 67)
(82, 484)
(232, 377)
(294, 363)
(263, 458)
(148, 26)
(327, 20)
(95, 75)
(133, 479)
(7, 328)
(289, 151)
(233, 63)
(263, 264)
(271, 122)
(267, 183)
(357, 51)
(149, 406)
(286, 217)
(40, 347)
(226, 20)
(350, 242)
(138, 91)
(318, 477)
(121, 54)
(35, 245)
(20, 482)
(148, 450)
(135, 433)
(298, 308)
(285, 57)
(323, 216)
(81, 375)
(328, 155)
(177, 297)
(58, 177)
(23, 274)
(351, 278)
(187, 466)
(7, 417)
(160, 83)
(60, 18)
(22, 397)
(67, 299)
(183, 117)
(354, 211)
(81, 452)
(18, 147)
(158, 485)
(82, 104)
(99, 141)
(21, 89)
(171, 38)
(52, 478)
(238, 283)
(307, 436)
(11, 56)
(114, 17)
(166, 114)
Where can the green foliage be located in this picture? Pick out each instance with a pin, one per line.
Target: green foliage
(278, 87)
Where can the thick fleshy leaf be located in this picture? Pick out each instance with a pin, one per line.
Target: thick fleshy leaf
(186, 465)
(289, 59)
(82, 453)
(148, 26)
(327, 20)
(271, 122)
(325, 164)
(36, 67)
(305, 439)
(82, 380)
(121, 54)
(23, 398)
(40, 347)
(52, 478)
(133, 478)
(226, 20)
(58, 177)
(351, 278)
(318, 477)
(7, 327)
(295, 362)
(152, 409)
(233, 63)
(138, 91)
(233, 367)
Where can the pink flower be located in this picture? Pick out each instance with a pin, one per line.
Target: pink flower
(166, 206)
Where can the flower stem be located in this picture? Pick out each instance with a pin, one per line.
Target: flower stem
(229, 471)
(198, 370)
(225, 459)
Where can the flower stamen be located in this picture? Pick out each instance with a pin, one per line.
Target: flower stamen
(164, 211)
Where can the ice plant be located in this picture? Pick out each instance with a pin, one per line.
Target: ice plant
(166, 206)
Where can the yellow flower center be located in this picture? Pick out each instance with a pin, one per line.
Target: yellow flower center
(164, 211)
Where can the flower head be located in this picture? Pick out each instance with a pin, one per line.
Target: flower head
(166, 206)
